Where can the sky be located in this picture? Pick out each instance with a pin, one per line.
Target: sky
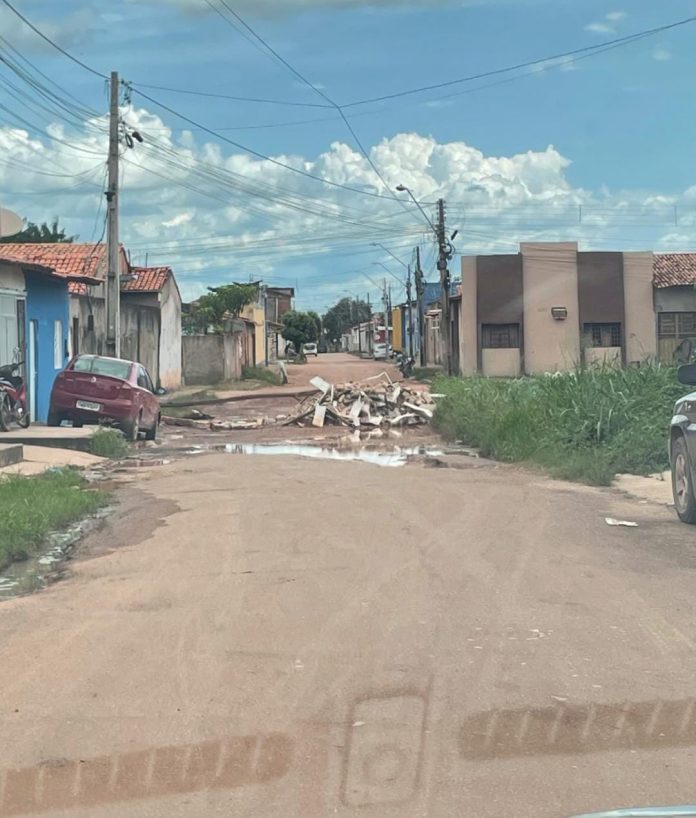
(299, 189)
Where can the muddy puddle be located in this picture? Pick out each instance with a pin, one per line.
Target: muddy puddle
(49, 564)
(392, 457)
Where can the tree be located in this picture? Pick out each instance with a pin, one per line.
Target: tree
(40, 234)
(299, 328)
(317, 320)
(345, 314)
(214, 307)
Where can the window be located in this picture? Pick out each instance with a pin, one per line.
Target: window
(602, 335)
(500, 336)
(144, 380)
(676, 324)
(103, 366)
(57, 344)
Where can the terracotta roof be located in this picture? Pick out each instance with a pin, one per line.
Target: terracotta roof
(674, 269)
(68, 260)
(77, 288)
(147, 280)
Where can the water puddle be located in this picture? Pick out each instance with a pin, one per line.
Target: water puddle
(48, 565)
(394, 457)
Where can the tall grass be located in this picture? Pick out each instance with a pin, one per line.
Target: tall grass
(586, 425)
(34, 506)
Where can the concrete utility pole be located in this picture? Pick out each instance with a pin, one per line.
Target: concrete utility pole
(445, 253)
(113, 278)
(420, 292)
(410, 313)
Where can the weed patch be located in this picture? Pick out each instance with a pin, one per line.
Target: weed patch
(34, 506)
(109, 443)
(586, 425)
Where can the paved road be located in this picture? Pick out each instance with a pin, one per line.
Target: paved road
(284, 638)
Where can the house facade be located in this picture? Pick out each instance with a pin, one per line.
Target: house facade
(150, 305)
(550, 307)
(34, 326)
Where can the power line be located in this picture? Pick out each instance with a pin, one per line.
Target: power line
(214, 95)
(52, 43)
(528, 64)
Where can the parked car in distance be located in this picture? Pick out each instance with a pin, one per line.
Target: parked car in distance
(310, 349)
(322, 346)
(682, 448)
(109, 391)
(381, 351)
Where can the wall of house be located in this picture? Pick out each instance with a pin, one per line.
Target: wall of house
(254, 312)
(640, 330)
(603, 355)
(48, 318)
(11, 291)
(208, 359)
(550, 279)
(90, 341)
(500, 363)
(140, 335)
(675, 299)
(468, 319)
(170, 338)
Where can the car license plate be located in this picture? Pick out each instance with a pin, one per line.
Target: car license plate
(88, 404)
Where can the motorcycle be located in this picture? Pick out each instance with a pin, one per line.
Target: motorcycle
(406, 365)
(13, 397)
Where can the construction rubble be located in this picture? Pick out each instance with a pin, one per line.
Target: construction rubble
(363, 407)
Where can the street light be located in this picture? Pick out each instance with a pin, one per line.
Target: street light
(404, 189)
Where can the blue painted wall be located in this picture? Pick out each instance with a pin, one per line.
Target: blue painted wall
(47, 302)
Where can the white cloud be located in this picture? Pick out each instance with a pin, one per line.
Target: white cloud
(227, 220)
(616, 16)
(67, 30)
(275, 7)
(661, 54)
(600, 28)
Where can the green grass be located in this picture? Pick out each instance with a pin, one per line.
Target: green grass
(586, 425)
(262, 373)
(109, 443)
(34, 506)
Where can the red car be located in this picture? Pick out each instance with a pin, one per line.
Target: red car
(95, 389)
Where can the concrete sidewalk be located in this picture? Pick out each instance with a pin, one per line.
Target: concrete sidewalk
(64, 437)
(37, 459)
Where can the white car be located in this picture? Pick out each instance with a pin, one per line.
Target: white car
(310, 349)
(381, 352)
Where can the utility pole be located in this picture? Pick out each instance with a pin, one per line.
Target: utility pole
(410, 313)
(113, 278)
(420, 292)
(445, 253)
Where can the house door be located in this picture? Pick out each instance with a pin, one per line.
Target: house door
(33, 366)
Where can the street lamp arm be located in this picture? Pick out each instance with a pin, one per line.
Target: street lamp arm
(404, 189)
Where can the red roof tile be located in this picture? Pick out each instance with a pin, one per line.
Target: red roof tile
(674, 269)
(147, 280)
(68, 260)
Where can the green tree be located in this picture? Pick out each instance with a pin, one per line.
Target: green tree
(214, 307)
(344, 314)
(40, 234)
(317, 320)
(299, 328)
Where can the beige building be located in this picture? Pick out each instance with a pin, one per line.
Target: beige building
(550, 308)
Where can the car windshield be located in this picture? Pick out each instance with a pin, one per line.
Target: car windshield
(103, 366)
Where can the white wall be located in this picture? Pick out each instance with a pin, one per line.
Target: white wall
(170, 336)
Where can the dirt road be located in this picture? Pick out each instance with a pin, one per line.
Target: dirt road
(285, 638)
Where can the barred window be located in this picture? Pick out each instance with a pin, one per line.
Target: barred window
(500, 336)
(603, 335)
(676, 324)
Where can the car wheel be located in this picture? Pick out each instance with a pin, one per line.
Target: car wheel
(682, 485)
(5, 412)
(131, 429)
(53, 419)
(151, 434)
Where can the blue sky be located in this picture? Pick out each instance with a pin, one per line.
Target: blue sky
(599, 150)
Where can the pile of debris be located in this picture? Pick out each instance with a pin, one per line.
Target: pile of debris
(364, 407)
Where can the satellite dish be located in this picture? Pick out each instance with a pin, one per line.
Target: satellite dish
(10, 223)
